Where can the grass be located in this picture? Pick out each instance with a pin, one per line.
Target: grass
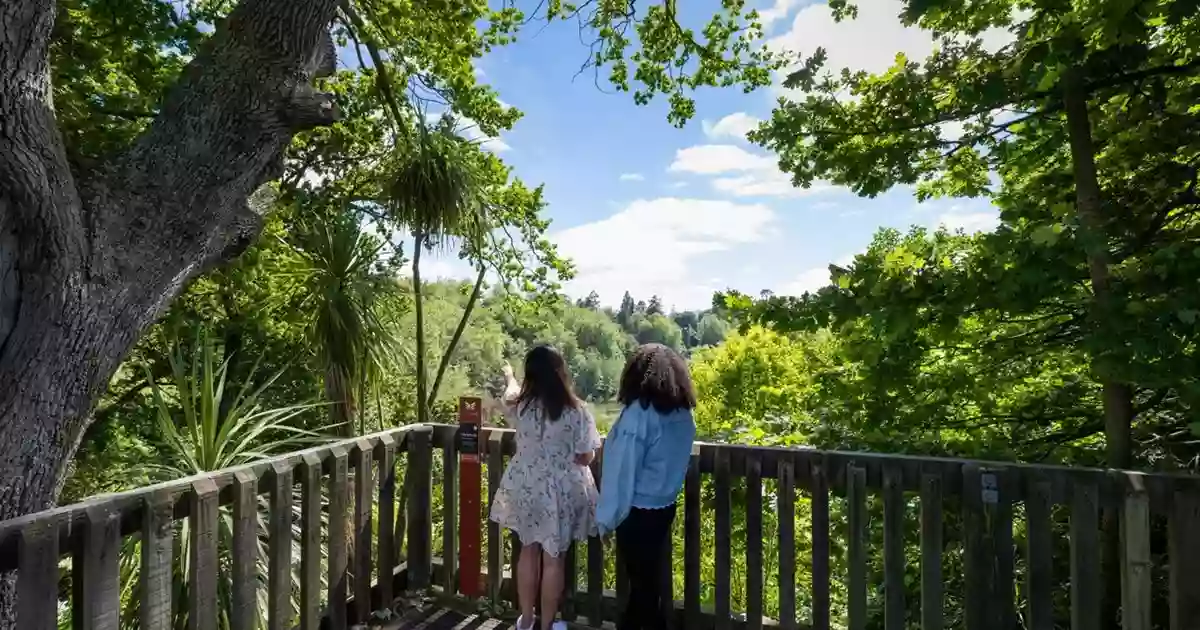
(605, 414)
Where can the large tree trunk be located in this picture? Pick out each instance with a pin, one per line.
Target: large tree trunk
(1117, 396)
(91, 255)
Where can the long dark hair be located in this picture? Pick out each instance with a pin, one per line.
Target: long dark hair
(547, 382)
(657, 375)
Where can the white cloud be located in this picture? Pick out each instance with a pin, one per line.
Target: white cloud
(632, 177)
(982, 221)
(808, 282)
(735, 125)
(869, 42)
(469, 130)
(777, 11)
(714, 159)
(814, 279)
(743, 174)
(647, 248)
(765, 184)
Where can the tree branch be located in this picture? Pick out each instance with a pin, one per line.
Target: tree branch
(43, 208)
(220, 135)
(458, 332)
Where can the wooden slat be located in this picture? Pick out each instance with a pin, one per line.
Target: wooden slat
(595, 559)
(787, 545)
(156, 572)
(856, 535)
(514, 558)
(279, 550)
(595, 580)
(310, 543)
(339, 559)
(202, 583)
(364, 489)
(691, 544)
(820, 546)
(37, 576)
(77, 569)
(1136, 565)
(570, 583)
(101, 579)
(243, 612)
(1085, 558)
(420, 526)
(129, 503)
(754, 536)
(385, 548)
(893, 549)
(495, 472)
(1184, 558)
(988, 548)
(931, 553)
(1039, 556)
(723, 543)
(1003, 595)
(450, 518)
(977, 568)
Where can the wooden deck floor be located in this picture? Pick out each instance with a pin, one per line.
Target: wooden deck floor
(437, 618)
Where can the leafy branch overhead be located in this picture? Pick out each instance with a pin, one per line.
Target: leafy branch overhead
(942, 123)
(1078, 122)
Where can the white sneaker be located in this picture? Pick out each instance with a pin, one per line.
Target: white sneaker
(522, 626)
(559, 625)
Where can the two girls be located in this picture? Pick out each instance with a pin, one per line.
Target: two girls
(548, 496)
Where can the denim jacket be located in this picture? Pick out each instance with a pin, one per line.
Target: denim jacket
(645, 462)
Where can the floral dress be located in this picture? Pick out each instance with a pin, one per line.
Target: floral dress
(545, 497)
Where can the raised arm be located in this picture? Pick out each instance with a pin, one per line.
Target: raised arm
(512, 389)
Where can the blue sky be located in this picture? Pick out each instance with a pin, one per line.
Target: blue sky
(642, 206)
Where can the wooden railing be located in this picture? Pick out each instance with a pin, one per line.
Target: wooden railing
(883, 541)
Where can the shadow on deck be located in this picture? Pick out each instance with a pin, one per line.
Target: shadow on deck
(447, 618)
(791, 538)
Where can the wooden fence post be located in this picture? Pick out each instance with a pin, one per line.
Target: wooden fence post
(420, 512)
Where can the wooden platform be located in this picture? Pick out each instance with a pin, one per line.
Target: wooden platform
(447, 619)
(436, 618)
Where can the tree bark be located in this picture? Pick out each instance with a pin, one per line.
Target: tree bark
(444, 364)
(1117, 396)
(89, 258)
(419, 311)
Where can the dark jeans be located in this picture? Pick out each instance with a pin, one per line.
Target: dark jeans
(642, 539)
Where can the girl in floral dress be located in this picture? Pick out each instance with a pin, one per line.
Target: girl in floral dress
(547, 496)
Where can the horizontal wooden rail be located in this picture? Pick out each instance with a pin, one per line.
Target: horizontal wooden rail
(130, 504)
(964, 504)
(767, 537)
(911, 470)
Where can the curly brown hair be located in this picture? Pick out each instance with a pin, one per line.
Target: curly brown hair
(657, 375)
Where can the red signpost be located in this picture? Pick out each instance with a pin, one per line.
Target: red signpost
(470, 518)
